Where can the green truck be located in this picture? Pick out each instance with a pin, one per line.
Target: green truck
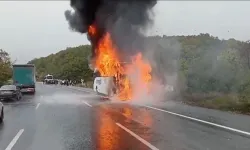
(24, 77)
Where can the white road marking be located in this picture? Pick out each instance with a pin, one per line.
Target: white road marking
(202, 121)
(87, 104)
(13, 142)
(137, 137)
(37, 105)
(80, 90)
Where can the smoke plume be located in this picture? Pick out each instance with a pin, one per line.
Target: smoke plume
(123, 19)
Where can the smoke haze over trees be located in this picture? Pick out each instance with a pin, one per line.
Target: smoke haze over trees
(202, 68)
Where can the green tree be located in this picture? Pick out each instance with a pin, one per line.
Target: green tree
(5, 67)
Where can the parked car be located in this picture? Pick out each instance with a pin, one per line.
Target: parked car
(10, 92)
(1, 112)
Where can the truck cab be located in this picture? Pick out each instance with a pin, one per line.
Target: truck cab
(49, 79)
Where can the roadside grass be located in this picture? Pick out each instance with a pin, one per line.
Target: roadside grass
(225, 102)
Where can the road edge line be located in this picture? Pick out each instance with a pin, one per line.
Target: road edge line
(202, 121)
(37, 106)
(137, 137)
(15, 139)
(87, 104)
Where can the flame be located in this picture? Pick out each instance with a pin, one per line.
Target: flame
(108, 63)
(107, 60)
(125, 89)
(142, 71)
(92, 30)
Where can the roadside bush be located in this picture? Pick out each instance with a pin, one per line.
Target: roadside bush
(5, 67)
(244, 97)
(227, 102)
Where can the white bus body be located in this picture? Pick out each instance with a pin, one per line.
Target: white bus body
(104, 86)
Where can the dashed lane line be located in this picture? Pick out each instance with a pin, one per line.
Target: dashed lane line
(137, 137)
(15, 139)
(87, 104)
(37, 106)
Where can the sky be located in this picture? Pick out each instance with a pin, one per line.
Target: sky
(32, 29)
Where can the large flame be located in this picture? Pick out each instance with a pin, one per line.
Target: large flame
(92, 30)
(141, 72)
(108, 63)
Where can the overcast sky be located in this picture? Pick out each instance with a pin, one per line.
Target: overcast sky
(36, 29)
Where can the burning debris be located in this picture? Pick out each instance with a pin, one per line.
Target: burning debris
(114, 30)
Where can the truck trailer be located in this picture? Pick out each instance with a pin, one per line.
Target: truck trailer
(24, 77)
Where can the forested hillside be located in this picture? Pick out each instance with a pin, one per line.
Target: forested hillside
(204, 67)
(71, 63)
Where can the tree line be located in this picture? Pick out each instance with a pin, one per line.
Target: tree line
(5, 67)
(71, 64)
(208, 70)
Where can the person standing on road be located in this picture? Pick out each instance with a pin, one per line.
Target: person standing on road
(67, 82)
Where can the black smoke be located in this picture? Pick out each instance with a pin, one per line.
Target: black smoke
(123, 19)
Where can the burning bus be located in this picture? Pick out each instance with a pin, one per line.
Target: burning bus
(127, 79)
(108, 85)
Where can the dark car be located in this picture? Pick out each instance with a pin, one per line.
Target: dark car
(1, 112)
(10, 92)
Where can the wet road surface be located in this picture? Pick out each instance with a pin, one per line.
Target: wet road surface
(70, 118)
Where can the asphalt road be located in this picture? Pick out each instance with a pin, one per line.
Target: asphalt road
(69, 118)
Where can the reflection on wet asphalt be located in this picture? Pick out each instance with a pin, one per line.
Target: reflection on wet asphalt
(63, 121)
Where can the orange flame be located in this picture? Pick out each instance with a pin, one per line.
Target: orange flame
(125, 92)
(142, 71)
(107, 60)
(108, 63)
(92, 30)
